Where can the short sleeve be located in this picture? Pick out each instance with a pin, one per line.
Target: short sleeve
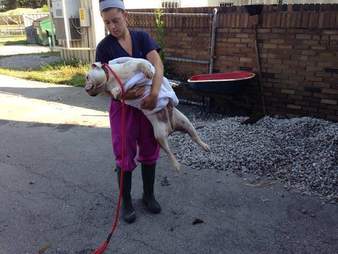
(149, 44)
(100, 55)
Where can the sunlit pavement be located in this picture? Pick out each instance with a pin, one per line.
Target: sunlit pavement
(22, 49)
(37, 102)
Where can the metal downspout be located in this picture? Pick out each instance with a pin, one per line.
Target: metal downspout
(259, 71)
(213, 40)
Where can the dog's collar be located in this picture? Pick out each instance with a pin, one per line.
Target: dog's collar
(106, 71)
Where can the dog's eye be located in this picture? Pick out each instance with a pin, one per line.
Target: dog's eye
(87, 78)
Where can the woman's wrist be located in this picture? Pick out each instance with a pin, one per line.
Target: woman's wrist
(154, 94)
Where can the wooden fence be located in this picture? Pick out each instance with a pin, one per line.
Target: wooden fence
(18, 25)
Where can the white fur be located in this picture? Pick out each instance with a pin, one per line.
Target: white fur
(165, 118)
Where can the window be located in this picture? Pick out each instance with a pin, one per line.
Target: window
(226, 4)
(170, 4)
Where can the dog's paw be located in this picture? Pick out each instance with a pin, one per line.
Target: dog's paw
(206, 147)
(177, 166)
(174, 84)
(146, 70)
(115, 93)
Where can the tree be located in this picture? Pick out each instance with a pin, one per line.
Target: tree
(31, 3)
(13, 4)
(10, 4)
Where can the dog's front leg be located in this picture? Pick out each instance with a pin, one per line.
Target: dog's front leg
(146, 69)
(114, 91)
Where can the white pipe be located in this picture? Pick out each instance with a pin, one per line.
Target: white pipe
(66, 22)
(75, 49)
(170, 14)
(187, 60)
(96, 23)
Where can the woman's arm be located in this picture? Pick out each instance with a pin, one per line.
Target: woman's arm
(150, 101)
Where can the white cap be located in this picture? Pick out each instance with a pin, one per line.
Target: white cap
(104, 4)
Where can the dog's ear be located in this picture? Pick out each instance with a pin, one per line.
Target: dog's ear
(97, 65)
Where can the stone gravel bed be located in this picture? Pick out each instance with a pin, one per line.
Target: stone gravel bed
(300, 152)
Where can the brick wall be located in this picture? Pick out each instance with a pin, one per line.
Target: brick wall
(297, 47)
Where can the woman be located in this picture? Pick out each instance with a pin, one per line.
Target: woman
(140, 137)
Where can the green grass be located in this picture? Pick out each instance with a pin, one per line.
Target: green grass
(13, 40)
(69, 73)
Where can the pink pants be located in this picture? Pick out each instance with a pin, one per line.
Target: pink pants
(140, 140)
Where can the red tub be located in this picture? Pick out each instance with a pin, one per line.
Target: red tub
(226, 82)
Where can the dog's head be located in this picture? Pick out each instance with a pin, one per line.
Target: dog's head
(95, 80)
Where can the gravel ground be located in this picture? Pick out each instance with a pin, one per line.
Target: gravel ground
(300, 152)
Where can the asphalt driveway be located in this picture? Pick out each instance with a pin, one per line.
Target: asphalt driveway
(26, 57)
(58, 191)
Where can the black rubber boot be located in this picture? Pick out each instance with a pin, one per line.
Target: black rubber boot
(148, 177)
(128, 211)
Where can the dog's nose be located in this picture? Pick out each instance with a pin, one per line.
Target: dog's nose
(91, 93)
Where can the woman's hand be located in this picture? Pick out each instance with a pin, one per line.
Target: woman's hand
(149, 102)
(134, 93)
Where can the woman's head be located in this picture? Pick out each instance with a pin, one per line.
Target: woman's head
(114, 17)
(107, 4)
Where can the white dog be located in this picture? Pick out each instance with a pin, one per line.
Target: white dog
(165, 118)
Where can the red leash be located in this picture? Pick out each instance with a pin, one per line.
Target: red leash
(102, 248)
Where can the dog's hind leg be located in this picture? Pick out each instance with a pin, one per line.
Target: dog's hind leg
(161, 135)
(163, 141)
(182, 123)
